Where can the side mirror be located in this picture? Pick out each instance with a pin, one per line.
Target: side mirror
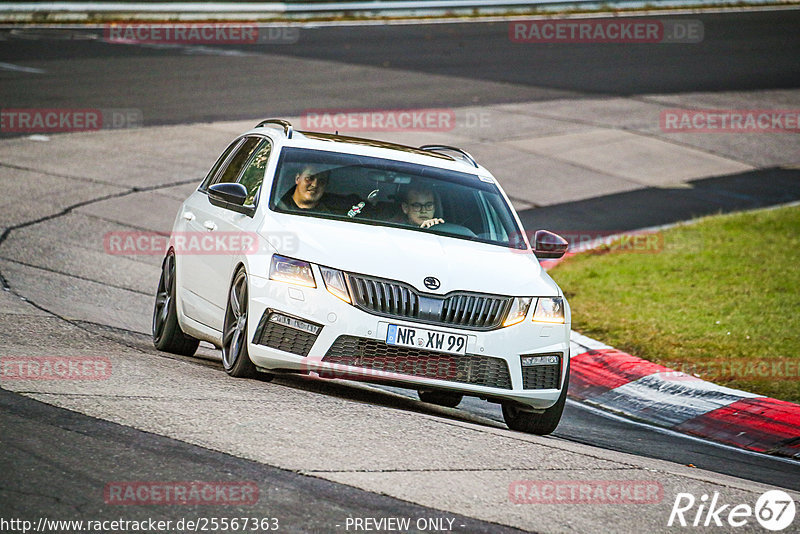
(549, 246)
(230, 196)
(230, 193)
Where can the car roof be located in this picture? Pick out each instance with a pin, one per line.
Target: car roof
(373, 143)
(437, 155)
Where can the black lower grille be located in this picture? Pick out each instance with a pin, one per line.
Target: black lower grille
(282, 337)
(374, 354)
(541, 377)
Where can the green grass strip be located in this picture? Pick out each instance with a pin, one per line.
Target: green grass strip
(719, 298)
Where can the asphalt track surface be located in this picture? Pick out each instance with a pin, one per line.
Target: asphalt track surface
(475, 64)
(107, 451)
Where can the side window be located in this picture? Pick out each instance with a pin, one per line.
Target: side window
(237, 161)
(219, 164)
(253, 175)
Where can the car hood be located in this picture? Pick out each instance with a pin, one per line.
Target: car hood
(410, 256)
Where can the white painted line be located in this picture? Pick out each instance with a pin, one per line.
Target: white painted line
(575, 349)
(668, 401)
(587, 342)
(689, 385)
(20, 68)
(192, 49)
(673, 433)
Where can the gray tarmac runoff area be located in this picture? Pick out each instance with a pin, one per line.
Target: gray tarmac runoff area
(322, 453)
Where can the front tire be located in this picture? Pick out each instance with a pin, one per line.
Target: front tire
(167, 333)
(537, 423)
(235, 357)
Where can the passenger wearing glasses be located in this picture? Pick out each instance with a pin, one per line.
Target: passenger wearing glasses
(419, 205)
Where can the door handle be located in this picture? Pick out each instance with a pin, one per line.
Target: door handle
(210, 225)
(188, 215)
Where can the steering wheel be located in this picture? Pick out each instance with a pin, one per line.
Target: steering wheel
(453, 229)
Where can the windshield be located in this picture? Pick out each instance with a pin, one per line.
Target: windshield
(383, 192)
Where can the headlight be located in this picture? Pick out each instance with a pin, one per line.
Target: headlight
(335, 283)
(291, 271)
(518, 311)
(549, 310)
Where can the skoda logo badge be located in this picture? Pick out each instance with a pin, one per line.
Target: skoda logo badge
(431, 282)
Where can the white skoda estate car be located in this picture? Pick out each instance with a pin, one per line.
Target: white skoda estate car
(349, 258)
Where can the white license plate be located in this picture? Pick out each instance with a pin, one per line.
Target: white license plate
(422, 338)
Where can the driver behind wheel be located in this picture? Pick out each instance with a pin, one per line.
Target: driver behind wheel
(419, 206)
(308, 192)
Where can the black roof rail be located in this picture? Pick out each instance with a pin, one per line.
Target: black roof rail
(286, 125)
(463, 154)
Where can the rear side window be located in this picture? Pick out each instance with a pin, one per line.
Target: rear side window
(253, 175)
(218, 164)
(237, 162)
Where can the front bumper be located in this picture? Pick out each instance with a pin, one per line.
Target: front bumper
(304, 329)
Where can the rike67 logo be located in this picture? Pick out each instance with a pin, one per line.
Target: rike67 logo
(774, 510)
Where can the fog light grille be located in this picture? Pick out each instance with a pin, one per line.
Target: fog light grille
(284, 332)
(541, 371)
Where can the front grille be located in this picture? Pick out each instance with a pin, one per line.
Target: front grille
(396, 299)
(384, 296)
(541, 376)
(479, 311)
(282, 337)
(377, 355)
